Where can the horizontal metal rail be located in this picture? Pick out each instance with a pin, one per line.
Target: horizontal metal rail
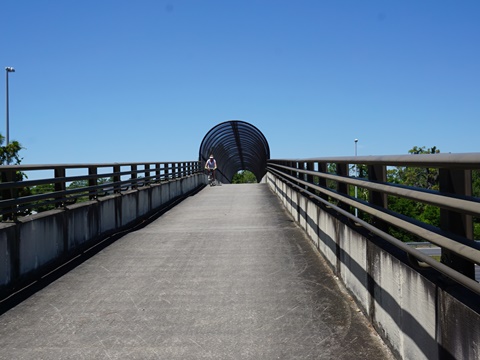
(458, 207)
(54, 186)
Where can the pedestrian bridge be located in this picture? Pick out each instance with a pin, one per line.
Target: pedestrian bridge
(143, 261)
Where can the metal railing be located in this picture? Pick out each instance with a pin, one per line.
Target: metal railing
(25, 189)
(330, 183)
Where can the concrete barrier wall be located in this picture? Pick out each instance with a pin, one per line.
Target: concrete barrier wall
(36, 244)
(416, 315)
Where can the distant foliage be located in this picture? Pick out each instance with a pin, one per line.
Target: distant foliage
(243, 177)
(425, 178)
(78, 197)
(10, 154)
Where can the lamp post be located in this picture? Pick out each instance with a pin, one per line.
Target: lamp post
(356, 174)
(8, 69)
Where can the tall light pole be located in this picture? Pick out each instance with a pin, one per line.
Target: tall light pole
(356, 174)
(8, 69)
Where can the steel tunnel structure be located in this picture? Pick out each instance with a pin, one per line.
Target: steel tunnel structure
(236, 145)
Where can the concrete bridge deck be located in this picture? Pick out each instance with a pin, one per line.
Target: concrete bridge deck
(226, 274)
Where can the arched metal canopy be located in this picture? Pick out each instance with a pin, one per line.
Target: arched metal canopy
(236, 145)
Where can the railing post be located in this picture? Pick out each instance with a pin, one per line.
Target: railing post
(8, 176)
(295, 165)
(322, 182)
(133, 176)
(342, 188)
(147, 174)
(165, 171)
(59, 185)
(309, 177)
(378, 173)
(291, 166)
(158, 177)
(117, 187)
(92, 194)
(458, 182)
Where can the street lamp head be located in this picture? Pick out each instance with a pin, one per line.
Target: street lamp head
(356, 140)
(10, 69)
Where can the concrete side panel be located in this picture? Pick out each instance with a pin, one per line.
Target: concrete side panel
(177, 188)
(353, 265)
(281, 191)
(327, 236)
(302, 211)
(166, 192)
(292, 199)
(172, 189)
(199, 180)
(156, 196)
(7, 237)
(108, 216)
(404, 307)
(41, 240)
(284, 195)
(82, 223)
(185, 184)
(129, 207)
(144, 201)
(312, 227)
(192, 183)
(459, 330)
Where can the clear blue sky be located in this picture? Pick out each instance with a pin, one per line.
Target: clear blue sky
(145, 80)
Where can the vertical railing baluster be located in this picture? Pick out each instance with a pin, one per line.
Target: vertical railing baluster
(8, 176)
(378, 173)
(309, 177)
(158, 172)
(133, 176)
(92, 182)
(59, 186)
(458, 182)
(117, 187)
(342, 188)
(147, 174)
(322, 168)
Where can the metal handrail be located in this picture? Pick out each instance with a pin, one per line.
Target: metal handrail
(310, 176)
(121, 176)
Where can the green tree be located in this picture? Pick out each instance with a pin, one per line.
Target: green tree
(244, 176)
(40, 206)
(10, 153)
(425, 178)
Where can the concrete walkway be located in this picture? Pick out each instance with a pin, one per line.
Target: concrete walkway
(226, 274)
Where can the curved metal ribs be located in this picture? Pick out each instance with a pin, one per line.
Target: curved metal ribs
(236, 145)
